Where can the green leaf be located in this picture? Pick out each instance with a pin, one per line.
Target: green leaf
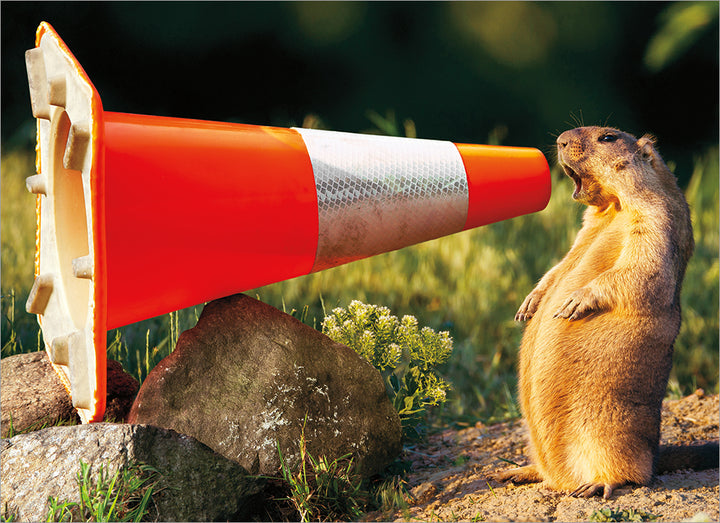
(682, 24)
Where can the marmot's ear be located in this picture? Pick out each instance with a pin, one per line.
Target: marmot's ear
(646, 146)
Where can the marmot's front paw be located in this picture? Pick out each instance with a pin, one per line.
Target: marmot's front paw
(529, 306)
(581, 303)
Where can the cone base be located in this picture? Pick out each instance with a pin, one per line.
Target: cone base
(67, 294)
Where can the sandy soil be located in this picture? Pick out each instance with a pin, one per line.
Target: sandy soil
(449, 477)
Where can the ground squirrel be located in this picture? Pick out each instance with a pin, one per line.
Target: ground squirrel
(597, 351)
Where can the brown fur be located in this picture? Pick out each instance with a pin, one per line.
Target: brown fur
(597, 350)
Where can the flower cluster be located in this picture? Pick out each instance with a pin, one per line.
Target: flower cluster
(404, 354)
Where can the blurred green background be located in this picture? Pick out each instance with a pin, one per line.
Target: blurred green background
(514, 73)
(458, 69)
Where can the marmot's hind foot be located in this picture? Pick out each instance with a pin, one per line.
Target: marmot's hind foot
(588, 490)
(527, 474)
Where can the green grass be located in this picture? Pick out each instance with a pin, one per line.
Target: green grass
(470, 284)
(122, 496)
(17, 233)
(38, 425)
(125, 495)
(607, 514)
(320, 489)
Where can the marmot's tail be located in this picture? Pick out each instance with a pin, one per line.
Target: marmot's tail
(682, 457)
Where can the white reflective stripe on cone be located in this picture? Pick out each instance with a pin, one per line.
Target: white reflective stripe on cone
(380, 193)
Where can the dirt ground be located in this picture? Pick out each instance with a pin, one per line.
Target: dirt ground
(449, 477)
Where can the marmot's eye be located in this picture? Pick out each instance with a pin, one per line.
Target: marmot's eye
(608, 138)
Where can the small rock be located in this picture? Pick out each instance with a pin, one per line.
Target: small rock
(423, 492)
(196, 484)
(121, 391)
(249, 378)
(700, 517)
(32, 395)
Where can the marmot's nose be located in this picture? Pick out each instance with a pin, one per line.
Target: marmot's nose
(563, 140)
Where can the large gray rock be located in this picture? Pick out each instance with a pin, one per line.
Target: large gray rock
(32, 395)
(196, 484)
(248, 377)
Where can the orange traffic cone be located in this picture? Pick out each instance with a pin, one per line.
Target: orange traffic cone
(142, 215)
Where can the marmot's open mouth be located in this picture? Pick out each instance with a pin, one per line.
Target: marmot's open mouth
(575, 178)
